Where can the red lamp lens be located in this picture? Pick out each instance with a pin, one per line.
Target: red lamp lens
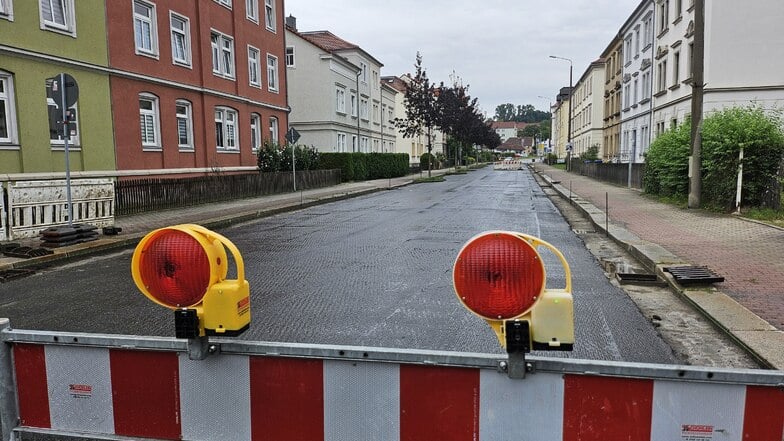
(175, 269)
(498, 276)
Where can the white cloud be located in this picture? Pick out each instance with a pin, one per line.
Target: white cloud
(499, 47)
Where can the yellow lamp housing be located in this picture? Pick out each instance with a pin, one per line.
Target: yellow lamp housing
(184, 268)
(506, 269)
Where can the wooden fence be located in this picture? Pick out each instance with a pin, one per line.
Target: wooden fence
(142, 195)
(613, 173)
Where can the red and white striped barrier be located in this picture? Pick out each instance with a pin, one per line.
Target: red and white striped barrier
(165, 395)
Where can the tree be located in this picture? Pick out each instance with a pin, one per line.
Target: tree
(505, 112)
(462, 121)
(524, 113)
(422, 114)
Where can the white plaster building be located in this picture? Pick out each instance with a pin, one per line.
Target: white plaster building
(744, 57)
(587, 110)
(636, 84)
(415, 146)
(335, 93)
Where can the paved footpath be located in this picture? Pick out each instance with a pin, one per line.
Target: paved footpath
(749, 255)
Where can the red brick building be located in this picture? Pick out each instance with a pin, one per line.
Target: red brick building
(196, 85)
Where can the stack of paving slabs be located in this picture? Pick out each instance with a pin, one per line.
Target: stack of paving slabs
(68, 235)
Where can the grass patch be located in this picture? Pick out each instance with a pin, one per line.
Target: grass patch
(559, 166)
(459, 172)
(430, 179)
(767, 215)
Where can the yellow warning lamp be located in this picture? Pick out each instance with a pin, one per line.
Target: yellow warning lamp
(500, 276)
(184, 268)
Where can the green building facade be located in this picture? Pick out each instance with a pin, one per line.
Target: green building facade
(38, 43)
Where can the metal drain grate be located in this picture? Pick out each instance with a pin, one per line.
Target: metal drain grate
(14, 274)
(693, 275)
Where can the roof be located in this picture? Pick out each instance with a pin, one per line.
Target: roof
(517, 144)
(330, 42)
(510, 125)
(394, 82)
(327, 40)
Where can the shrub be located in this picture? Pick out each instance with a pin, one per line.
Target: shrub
(425, 160)
(667, 163)
(273, 157)
(362, 166)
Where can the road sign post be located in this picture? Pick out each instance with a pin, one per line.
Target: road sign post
(65, 92)
(292, 136)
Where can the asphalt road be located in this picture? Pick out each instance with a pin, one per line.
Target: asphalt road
(372, 271)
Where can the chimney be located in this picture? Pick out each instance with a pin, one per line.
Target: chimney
(291, 22)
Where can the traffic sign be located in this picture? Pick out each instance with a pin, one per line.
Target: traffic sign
(54, 90)
(292, 136)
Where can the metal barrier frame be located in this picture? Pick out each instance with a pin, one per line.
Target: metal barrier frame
(8, 400)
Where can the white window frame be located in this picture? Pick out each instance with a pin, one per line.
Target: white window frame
(364, 67)
(185, 33)
(646, 85)
(252, 10)
(363, 109)
(69, 21)
(354, 143)
(376, 118)
(222, 45)
(227, 117)
(676, 68)
(154, 115)
(274, 128)
(254, 66)
(152, 22)
(340, 99)
(363, 144)
(272, 73)
(255, 132)
(627, 49)
(9, 103)
(291, 54)
(354, 104)
(270, 16)
(7, 10)
(188, 118)
(226, 3)
(340, 143)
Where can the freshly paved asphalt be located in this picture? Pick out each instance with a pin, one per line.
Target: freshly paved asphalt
(749, 305)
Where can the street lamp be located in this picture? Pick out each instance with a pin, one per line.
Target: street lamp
(550, 109)
(569, 123)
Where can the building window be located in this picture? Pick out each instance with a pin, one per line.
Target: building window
(363, 144)
(648, 30)
(678, 9)
(676, 67)
(353, 104)
(376, 118)
(273, 127)
(363, 66)
(664, 15)
(354, 143)
(637, 41)
(181, 40)
(635, 100)
(626, 96)
(290, 56)
(57, 15)
(662, 76)
(627, 49)
(7, 109)
(222, 54)
(646, 85)
(226, 129)
(254, 67)
(7, 9)
(269, 14)
(255, 132)
(148, 116)
(184, 115)
(272, 73)
(226, 3)
(363, 108)
(144, 28)
(340, 100)
(252, 10)
(691, 60)
(340, 143)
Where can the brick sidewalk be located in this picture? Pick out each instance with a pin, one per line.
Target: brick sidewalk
(748, 255)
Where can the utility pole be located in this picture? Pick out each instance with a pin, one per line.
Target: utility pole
(697, 86)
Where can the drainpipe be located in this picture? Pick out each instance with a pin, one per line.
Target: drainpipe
(354, 148)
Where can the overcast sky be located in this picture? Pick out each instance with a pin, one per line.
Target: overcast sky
(498, 47)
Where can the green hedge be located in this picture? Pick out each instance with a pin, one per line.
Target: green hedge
(363, 166)
(723, 134)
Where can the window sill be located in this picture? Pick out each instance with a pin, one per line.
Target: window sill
(628, 63)
(187, 150)
(229, 151)
(272, 90)
(70, 33)
(152, 55)
(675, 86)
(10, 146)
(634, 106)
(626, 109)
(184, 64)
(647, 46)
(663, 32)
(645, 101)
(152, 149)
(224, 76)
(678, 20)
(660, 93)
